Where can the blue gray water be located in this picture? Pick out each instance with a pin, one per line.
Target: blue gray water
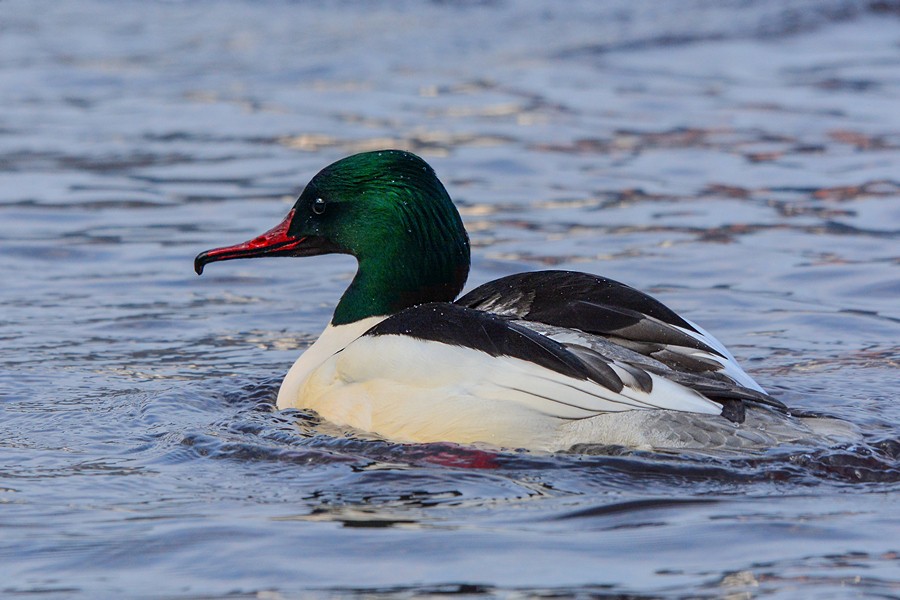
(738, 159)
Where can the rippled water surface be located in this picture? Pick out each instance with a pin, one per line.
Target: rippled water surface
(739, 160)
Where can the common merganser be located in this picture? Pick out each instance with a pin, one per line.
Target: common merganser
(544, 360)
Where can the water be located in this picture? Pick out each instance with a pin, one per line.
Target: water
(737, 159)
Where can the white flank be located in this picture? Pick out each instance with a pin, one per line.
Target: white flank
(424, 391)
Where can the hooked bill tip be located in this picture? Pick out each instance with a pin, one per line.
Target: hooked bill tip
(199, 262)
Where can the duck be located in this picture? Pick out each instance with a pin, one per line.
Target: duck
(542, 361)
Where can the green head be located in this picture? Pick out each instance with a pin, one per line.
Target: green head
(389, 210)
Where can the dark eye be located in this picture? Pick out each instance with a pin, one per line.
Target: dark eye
(318, 206)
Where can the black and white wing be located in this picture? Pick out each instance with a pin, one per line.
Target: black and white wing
(604, 321)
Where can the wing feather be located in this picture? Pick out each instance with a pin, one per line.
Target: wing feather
(628, 330)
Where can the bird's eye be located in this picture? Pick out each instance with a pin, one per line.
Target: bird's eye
(318, 206)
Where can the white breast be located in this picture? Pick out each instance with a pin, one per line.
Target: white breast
(332, 340)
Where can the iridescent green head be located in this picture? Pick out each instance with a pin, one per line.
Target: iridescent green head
(389, 210)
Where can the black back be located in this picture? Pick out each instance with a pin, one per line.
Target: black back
(586, 302)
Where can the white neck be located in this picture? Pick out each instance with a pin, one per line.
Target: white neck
(333, 340)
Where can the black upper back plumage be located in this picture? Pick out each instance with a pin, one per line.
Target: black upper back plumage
(586, 302)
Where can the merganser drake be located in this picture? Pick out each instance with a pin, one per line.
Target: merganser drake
(545, 360)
